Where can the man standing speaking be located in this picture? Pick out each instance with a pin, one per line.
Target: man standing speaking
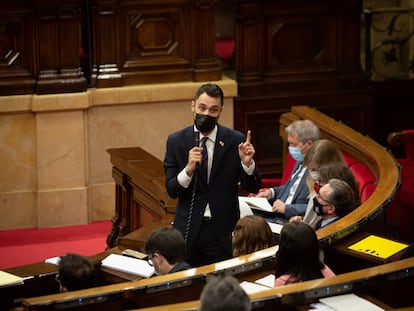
(204, 164)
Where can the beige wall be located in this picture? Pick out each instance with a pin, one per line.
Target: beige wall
(54, 168)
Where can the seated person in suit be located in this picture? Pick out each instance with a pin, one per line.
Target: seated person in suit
(166, 251)
(291, 198)
(75, 272)
(321, 177)
(334, 200)
(224, 294)
(251, 233)
(297, 258)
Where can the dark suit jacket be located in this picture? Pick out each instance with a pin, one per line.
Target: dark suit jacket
(222, 190)
(300, 198)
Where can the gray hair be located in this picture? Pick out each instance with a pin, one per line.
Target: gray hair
(305, 129)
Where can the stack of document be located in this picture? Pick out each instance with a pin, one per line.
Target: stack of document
(128, 265)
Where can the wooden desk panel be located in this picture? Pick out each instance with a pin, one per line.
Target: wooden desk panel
(387, 285)
(170, 288)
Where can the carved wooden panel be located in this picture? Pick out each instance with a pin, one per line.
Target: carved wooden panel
(153, 41)
(297, 52)
(58, 47)
(16, 65)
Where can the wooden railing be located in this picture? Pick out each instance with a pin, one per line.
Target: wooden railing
(385, 285)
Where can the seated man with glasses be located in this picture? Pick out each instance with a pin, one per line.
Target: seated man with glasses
(337, 170)
(334, 200)
(166, 251)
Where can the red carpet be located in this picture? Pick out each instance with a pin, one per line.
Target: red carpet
(25, 246)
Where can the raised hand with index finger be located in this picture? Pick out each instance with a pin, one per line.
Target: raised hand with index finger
(246, 150)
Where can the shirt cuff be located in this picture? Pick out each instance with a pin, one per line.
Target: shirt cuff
(249, 170)
(183, 179)
(272, 193)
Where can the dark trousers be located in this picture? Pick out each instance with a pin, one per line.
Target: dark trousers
(208, 249)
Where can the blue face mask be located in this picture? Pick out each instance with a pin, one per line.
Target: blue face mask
(296, 153)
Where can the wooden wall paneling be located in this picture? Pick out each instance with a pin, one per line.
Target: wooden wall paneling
(105, 44)
(154, 42)
(298, 53)
(206, 64)
(249, 49)
(16, 49)
(59, 35)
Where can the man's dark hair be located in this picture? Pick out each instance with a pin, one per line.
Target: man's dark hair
(76, 272)
(168, 242)
(224, 294)
(212, 90)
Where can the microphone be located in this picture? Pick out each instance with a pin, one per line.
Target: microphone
(197, 139)
(197, 142)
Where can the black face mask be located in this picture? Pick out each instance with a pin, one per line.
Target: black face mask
(318, 207)
(204, 123)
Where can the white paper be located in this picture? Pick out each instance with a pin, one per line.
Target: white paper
(343, 302)
(245, 210)
(128, 265)
(250, 287)
(53, 260)
(268, 281)
(8, 279)
(256, 203)
(275, 227)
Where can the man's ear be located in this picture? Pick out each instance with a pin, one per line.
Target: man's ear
(331, 210)
(193, 106)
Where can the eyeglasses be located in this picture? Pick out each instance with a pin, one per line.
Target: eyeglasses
(323, 199)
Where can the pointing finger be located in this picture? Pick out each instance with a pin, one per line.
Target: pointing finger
(248, 137)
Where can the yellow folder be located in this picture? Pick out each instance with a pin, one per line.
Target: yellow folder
(377, 246)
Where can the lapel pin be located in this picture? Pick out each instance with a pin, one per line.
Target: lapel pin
(221, 143)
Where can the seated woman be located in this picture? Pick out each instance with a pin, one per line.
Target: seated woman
(297, 259)
(251, 233)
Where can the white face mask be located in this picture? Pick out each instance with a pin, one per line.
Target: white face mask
(314, 175)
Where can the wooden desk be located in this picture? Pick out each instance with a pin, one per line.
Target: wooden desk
(343, 248)
(40, 279)
(141, 197)
(387, 285)
(170, 288)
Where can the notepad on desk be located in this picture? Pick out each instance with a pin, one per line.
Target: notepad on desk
(379, 247)
(251, 288)
(128, 265)
(256, 203)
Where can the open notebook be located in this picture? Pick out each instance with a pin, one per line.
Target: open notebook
(128, 265)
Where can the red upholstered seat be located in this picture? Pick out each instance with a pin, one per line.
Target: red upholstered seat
(366, 180)
(274, 182)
